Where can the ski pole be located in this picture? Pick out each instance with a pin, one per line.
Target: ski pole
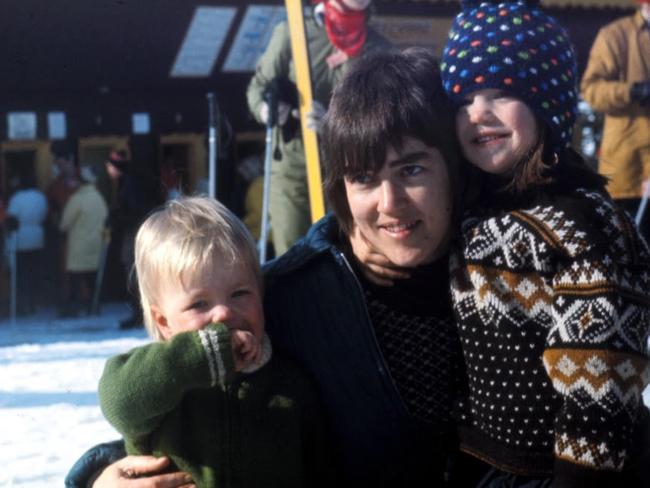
(643, 204)
(212, 143)
(13, 270)
(271, 99)
(106, 240)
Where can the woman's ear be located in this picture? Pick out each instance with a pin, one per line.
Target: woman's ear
(160, 320)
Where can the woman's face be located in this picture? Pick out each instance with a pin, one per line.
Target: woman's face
(404, 210)
(495, 130)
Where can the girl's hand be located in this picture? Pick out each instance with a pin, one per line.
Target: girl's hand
(142, 472)
(376, 267)
(246, 349)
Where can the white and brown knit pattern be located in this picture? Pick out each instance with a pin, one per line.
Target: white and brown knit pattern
(553, 311)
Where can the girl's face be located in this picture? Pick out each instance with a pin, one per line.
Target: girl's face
(404, 210)
(496, 130)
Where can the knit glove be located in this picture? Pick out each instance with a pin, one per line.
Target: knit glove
(640, 92)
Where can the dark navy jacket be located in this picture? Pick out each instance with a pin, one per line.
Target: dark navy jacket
(316, 314)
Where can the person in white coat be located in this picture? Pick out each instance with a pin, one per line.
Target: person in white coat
(83, 221)
(29, 206)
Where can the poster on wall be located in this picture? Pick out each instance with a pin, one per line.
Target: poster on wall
(252, 37)
(203, 41)
(21, 125)
(140, 123)
(56, 127)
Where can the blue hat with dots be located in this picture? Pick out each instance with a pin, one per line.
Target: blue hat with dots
(515, 47)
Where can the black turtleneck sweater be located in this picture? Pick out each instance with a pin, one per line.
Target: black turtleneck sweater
(417, 336)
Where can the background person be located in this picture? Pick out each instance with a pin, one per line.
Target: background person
(64, 181)
(133, 200)
(82, 221)
(617, 82)
(29, 206)
(335, 36)
(386, 360)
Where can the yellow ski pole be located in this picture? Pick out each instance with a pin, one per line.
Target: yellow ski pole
(303, 82)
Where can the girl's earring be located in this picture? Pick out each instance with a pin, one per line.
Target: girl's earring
(556, 159)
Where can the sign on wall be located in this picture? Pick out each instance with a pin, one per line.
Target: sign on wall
(252, 37)
(203, 41)
(21, 125)
(56, 126)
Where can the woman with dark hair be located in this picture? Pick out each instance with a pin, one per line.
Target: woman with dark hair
(386, 359)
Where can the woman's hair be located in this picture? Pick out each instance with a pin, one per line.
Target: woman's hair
(385, 97)
(181, 240)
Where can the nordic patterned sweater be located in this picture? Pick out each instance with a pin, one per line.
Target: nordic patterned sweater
(553, 308)
(183, 399)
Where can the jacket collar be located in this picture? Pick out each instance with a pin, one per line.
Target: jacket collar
(323, 236)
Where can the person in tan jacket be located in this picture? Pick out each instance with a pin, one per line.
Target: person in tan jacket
(617, 83)
(83, 221)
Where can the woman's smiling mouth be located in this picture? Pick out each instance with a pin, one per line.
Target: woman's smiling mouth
(399, 229)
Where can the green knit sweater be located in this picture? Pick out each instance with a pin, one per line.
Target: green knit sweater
(183, 399)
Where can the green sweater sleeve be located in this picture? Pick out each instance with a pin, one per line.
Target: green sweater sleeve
(139, 388)
(274, 62)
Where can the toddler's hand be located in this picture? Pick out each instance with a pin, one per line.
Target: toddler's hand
(246, 349)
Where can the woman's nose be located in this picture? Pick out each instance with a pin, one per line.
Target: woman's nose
(221, 313)
(391, 198)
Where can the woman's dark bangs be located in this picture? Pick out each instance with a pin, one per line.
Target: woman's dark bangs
(364, 148)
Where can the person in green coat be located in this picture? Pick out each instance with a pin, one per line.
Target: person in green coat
(209, 393)
(336, 35)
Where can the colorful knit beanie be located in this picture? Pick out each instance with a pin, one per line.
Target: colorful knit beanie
(515, 47)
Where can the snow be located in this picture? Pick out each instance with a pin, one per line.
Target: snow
(49, 414)
(49, 369)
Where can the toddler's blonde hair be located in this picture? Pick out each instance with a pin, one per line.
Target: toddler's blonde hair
(180, 240)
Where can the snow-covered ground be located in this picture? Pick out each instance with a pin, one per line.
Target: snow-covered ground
(49, 369)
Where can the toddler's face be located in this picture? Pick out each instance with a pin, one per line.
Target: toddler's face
(496, 130)
(230, 295)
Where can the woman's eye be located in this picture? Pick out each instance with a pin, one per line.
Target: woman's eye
(412, 170)
(361, 178)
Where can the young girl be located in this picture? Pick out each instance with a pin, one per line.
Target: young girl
(550, 282)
